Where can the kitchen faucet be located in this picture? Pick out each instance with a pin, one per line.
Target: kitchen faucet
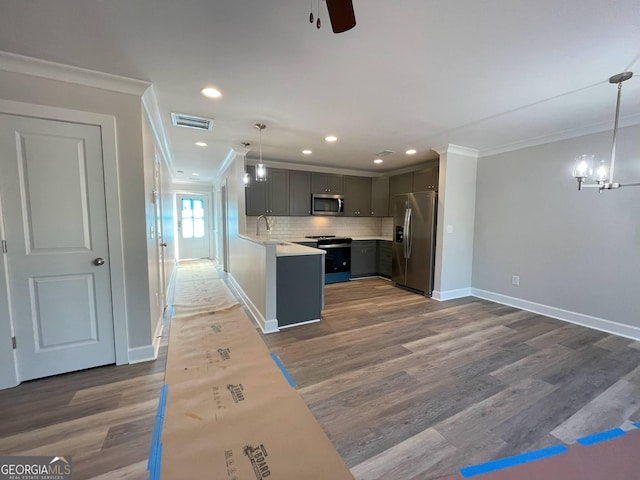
(266, 221)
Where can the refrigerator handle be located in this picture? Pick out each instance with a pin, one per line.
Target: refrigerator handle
(405, 231)
(409, 233)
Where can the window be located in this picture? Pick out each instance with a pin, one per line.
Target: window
(192, 218)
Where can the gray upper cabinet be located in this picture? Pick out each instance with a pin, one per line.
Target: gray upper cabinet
(380, 196)
(326, 183)
(399, 184)
(255, 194)
(299, 193)
(270, 197)
(357, 196)
(426, 180)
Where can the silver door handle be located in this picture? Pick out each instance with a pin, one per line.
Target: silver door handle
(405, 232)
(98, 261)
(163, 244)
(410, 233)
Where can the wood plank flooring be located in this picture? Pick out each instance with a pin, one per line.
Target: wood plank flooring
(410, 388)
(102, 417)
(405, 387)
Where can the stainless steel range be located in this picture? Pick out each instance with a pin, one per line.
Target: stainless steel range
(337, 261)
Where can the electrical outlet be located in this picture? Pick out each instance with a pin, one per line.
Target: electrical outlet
(515, 280)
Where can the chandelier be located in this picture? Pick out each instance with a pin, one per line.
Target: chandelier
(603, 175)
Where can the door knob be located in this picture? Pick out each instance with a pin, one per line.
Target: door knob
(98, 261)
(163, 244)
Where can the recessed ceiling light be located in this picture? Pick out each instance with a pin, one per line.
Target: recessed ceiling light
(411, 151)
(195, 174)
(201, 144)
(377, 160)
(330, 138)
(307, 152)
(211, 92)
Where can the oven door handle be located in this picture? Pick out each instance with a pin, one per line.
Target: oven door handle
(334, 245)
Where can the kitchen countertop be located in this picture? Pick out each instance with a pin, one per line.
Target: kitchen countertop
(284, 248)
(304, 239)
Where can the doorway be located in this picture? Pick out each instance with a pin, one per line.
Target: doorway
(193, 226)
(57, 253)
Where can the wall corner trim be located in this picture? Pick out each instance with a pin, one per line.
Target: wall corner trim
(457, 150)
(589, 321)
(267, 326)
(141, 354)
(37, 67)
(157, 336)
(150, 105)
(450, 294)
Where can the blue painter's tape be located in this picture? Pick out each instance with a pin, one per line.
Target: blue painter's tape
(601, 437)
(283, 370)
(474, 470)
(155, 454)
(637, 425)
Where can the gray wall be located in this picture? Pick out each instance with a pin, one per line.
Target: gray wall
(574, 251)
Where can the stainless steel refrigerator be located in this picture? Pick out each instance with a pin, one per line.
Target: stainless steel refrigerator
(414, 222)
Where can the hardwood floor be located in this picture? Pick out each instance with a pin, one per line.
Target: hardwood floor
(408, 387)
(102, 417)
(405, 387)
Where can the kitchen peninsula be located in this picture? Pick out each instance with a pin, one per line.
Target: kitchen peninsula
(288, 285)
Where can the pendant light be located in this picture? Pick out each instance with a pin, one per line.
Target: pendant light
(245, 177)
(261, 171)
(603, 176)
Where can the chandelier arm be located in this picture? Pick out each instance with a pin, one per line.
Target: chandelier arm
(615, 133)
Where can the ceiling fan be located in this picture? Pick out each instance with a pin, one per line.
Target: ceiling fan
(341, 15)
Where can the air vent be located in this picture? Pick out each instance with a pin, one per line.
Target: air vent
(384, 153)
(191, 121)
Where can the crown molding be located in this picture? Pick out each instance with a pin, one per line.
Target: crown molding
(599, 127)
(36, 67)
(228, 159)
(457, 150)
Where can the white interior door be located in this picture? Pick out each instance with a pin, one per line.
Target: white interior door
(52, 186)
(193, 226)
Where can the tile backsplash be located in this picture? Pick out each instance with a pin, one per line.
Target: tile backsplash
(298, 227)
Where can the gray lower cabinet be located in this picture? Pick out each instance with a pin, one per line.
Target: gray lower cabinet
(383, 258)
(380, 196)
(270, 197)
(363, 258)
(308, 244)
(299, 193)
(357, 196)
(299, 289)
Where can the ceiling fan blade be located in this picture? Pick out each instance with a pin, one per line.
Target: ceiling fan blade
(341, 15)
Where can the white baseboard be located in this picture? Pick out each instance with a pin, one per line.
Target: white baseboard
(596, 323)
(301, 323)
(146, 353)
(267, 326)
(451, 294)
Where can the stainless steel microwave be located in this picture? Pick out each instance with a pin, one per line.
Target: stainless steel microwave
(327, 204)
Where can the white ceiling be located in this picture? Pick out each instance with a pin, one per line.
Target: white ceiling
(489, 75)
